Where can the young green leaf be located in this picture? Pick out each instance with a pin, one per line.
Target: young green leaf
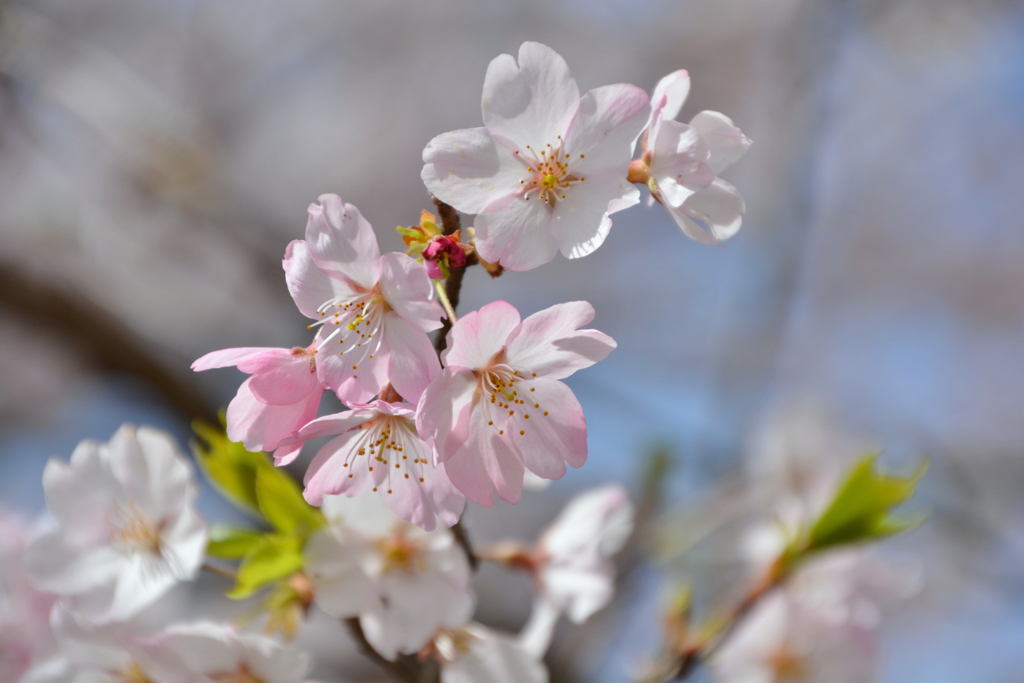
(228, 465)
(861, 509)
(274, 557)
(282, 504)
(232, 544)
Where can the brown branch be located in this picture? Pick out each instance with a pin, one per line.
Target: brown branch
(98, 338)
(686, 661)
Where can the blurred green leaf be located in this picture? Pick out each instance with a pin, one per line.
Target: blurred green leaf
(281, 502)
(861, 509)
(228, 465)
(274, 557)
(232, 544)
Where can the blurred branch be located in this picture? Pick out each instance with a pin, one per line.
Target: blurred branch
(99, 339)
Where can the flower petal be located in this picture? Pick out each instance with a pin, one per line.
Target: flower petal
(723, 138)
(516, 232)
(412, 362)
(606, 126)
(407, 289)
(530, 103)
(467, 170)
(309, 285)
(442, 415)
(341, 241)
(263, 427)
(485, 464)
(478, 336)
(711, 215)
(670, 94)
(554, 433)
(230, 357)
(581, 220)
(678, 163)
(550, 343)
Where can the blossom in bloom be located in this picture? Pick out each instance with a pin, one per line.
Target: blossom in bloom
(571, 563)
(124, 528)
(681, 163)
(282, 394)
(402, 582)
(181, 653)
(500, 404)
(376, 446)
(373, 311)
(476, 654)
(548, 167)
(25, 638)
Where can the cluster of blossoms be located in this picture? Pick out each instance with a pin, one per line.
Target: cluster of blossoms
(480, 411)
(80, 587)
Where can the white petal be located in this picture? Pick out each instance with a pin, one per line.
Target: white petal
(517, 233)
(530, 103)
(724, 139)
(467, 170)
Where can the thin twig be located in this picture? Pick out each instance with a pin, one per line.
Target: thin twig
(219, 571)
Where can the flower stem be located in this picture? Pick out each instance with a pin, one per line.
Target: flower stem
(219, 571)
(442, 296)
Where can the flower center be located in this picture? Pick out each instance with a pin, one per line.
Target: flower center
(508, 399)
(355, 321)
(400, 553)
(388, 448)
(243, 674)
(132, 529)
(549, 173)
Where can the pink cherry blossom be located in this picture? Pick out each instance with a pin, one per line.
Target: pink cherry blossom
(682, 163)
(373, 311)
(500, 407)
(282, 394)
(376, 446)
(404, 583)
(548, 167)
(124, 527)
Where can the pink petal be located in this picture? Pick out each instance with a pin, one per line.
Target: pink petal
(478, 336)
(723, 138)
(341, 241)
(328, 473)
(554, 433)
(229, 357)
(550, 343)
(407, 289)
(467, 170)
(309, 285)
(442, 415)
(532, 103)
(516, 233)
(283, 378)
(263, 427)
(412, 362)
(670, 94)
(605, 129)
(352, 385)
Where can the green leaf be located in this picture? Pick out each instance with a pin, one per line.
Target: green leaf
(232, 544)
(861, 509)
(274, 557)
(281, 502)
(228, 465)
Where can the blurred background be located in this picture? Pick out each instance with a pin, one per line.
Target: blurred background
(157, 155)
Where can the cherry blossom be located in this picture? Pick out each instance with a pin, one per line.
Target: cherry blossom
(376, 446)
(402, 582)
(181, 653)
(571, 563)
(372, 311)
(476, 654)
(25, 638)
(499, 405)
(681, 163)
(124, 528)
(547, 169)
(282, 394)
